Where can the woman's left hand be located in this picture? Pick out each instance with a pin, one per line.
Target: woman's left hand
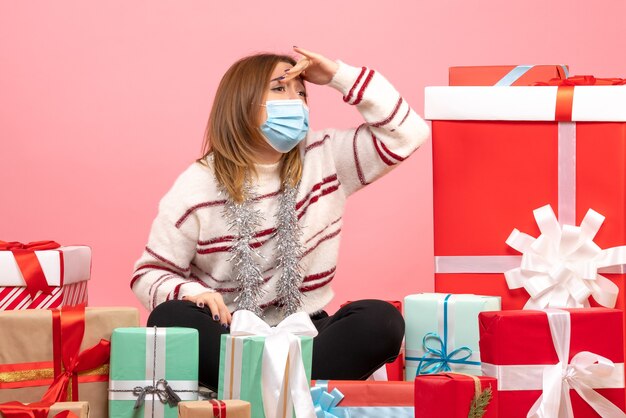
(314, 68)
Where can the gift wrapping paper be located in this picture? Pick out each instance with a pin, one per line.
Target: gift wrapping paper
(233, 408)
(517, 348)
(66, 271)
(259, 363)
(28, 347)
(441, 332)
(145, 364)
(450, 395)
(499, 153)
(504, 75)
(80, 409)
(363, 399)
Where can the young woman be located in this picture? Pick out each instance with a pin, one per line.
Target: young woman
(255, 223)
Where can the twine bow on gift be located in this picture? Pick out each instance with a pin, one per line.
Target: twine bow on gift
(325, 402)
(585, 371)
(560, 268)
(29, 265)
(162, 390)
(282, 366)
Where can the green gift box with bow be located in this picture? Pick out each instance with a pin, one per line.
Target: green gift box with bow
(442, 332)
(152, 369)
(267, 367)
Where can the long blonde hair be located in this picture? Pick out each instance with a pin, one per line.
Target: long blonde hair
(233, 134)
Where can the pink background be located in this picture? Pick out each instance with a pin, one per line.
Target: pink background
(103, 104)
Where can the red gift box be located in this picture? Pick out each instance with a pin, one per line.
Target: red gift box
(43, 275)
(393, 371)
(509, 75)
(450, 395)
(518, 348)
(497, 155)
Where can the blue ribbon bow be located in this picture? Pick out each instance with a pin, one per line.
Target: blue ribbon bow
(325, 403)
(438, 359)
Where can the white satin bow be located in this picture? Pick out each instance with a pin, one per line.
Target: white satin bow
(559, 269)
(581, 374)
(283, 374)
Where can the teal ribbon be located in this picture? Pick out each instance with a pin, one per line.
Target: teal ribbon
(438, 359)
(325, 403)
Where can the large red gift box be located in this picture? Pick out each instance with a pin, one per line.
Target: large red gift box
(501, 152)
(518, 348)
(507, 75)
(43, 275)
(450, 395)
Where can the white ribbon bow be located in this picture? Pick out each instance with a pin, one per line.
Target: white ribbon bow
(282, 353)
(581, 374)
(560, 268)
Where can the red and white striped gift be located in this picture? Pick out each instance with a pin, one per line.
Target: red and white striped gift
(66, 271)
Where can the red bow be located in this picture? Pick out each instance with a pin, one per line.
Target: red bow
(33, 410)
(565, 93)
(29, 264)
(68, 327)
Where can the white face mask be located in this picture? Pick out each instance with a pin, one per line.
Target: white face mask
(287, 123)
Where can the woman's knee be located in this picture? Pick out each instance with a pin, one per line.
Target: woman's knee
(174, 313)
(381, 322)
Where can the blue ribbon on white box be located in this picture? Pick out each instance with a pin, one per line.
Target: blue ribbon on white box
(437, 360)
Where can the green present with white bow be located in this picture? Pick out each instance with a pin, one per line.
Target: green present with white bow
(442, 332)
(270, 367)
(152, 369)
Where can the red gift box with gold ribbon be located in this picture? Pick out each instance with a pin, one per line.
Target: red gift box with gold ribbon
(59, 355)
(42, 275)
(501, 152)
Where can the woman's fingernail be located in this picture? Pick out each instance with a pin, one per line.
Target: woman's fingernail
(200, 304)
(295, 46)
(216, 317)
(225, 326)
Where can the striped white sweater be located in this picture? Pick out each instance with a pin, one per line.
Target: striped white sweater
(188, 247)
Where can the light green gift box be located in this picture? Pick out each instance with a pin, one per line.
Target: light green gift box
(146, 360)
(241, 361)
(442, 332)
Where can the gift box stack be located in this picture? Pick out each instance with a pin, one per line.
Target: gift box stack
(509, 145)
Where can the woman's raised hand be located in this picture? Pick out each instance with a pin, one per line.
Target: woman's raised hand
(315, 68)
(215, 303)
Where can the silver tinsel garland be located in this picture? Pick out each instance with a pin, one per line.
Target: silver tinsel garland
(245, 220)
(289, 250)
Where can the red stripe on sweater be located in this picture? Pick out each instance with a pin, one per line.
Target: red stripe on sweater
(316, 144)
(323, 230)
(316, 187)
(235, 289)
(359, 170)
(389, 152)
(314, 199)
(192, 209)
(165, 260)
(324, 238)
(348, 97)
(363, 87)
(226, 238)
(317, 285)
(318, 276)
(408, 112)
(256, 244)
(152, 291)
(380, 152)
(390, 117)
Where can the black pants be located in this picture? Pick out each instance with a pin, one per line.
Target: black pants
(350, 345)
